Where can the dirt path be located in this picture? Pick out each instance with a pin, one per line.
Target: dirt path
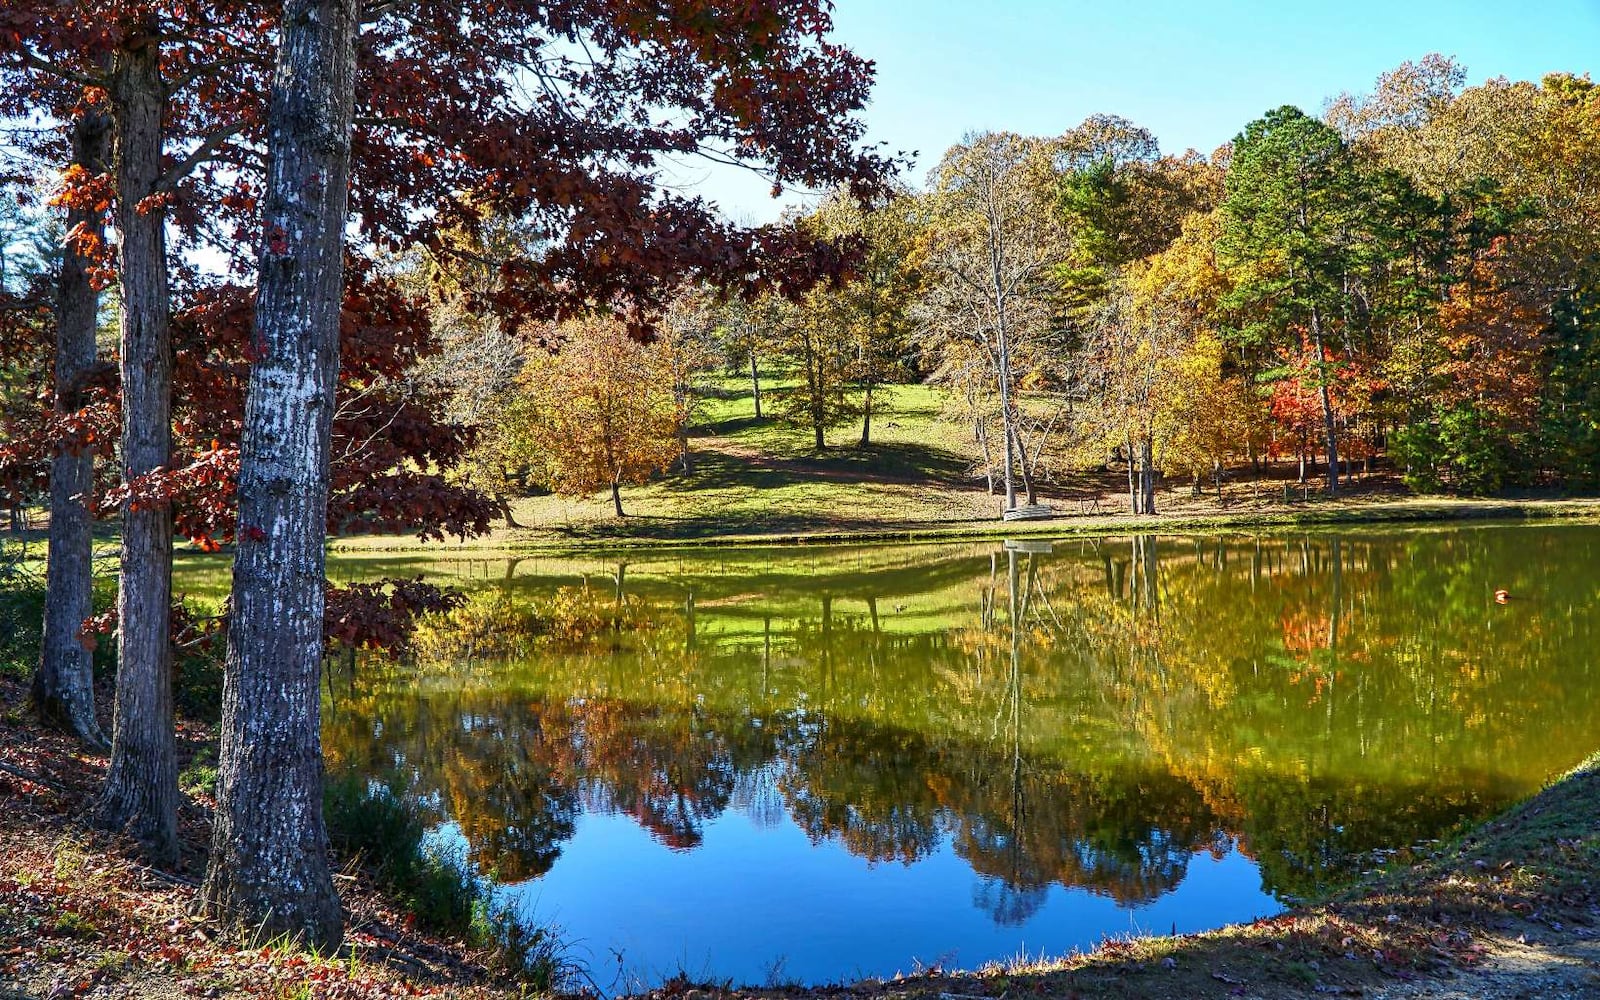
(1561, 969)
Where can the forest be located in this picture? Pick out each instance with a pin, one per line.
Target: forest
(268, 278)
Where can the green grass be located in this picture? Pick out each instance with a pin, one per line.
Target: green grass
(748, 475)
(21, 611)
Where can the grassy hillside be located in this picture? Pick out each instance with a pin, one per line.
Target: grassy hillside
(748, 475)
(921, 475)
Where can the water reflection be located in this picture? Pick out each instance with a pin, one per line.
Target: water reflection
(1094, 716)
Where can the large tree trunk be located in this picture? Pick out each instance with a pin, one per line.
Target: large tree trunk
(140, 793)
(269, 849)
(866, 418)
(616, 498)
(506, 513)
(63, 686)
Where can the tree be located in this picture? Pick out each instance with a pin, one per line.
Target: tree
(874, 305)
(1122, 201)
(153, 63)
(602, 409)
(1291, 224)
(813, 338)
(1135, 346)
(993, 245)
(63, 686)
(269, 851)
(745, 328)
(478, 355)
(579, 158)
(684, 336)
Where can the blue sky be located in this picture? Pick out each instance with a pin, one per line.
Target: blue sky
(1193, 73)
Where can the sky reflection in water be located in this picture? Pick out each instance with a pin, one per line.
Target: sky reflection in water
(827, 763)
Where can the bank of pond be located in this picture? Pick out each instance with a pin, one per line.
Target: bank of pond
(816, 764)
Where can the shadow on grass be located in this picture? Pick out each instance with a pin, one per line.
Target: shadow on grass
(719, 524)
(874, 463)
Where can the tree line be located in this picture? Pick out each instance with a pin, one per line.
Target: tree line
(1410, 276)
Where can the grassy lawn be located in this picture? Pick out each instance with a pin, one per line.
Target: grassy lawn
(920, 478)
(749, 476)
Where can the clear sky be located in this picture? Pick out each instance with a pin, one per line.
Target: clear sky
(1194, 73)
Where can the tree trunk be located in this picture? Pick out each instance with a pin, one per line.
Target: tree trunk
(506, 513)
(755, 383)
(1147, 475)
(1133, 479)
(1025, 466)
(616, 498)
(63, 686)
(269, 848)
(866, 418)
(140, 792)
(1329, 431)
(981, 432)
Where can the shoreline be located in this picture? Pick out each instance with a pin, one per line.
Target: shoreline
(1312, 514)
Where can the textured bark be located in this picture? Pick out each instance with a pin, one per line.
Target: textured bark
(140, 794)
(269, 852)
(63, 686)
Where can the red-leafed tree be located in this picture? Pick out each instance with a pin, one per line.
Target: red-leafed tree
(614, 87)
(580, 156)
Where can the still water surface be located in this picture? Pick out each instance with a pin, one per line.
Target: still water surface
(824, 763)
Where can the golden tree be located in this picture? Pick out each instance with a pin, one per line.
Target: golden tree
(603, 413)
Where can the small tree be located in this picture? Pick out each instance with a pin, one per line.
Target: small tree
(686, 341)
(815, 340)
(603, 413)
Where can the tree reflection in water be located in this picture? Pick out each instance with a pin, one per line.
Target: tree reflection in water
(1092, 716)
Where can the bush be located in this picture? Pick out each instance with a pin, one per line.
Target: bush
(197, 683)
(1460, 451)
(391, 840)
(21, 612)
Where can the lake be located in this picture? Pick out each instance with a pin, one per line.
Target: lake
(814, 764)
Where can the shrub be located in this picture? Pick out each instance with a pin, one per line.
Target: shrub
(387, 835)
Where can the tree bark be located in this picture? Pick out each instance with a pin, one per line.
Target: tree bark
(269, 849)
(140, 792)
(1025, 467)
(1133, 478)
(616, 498)
(866, 417)
(63, 686)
